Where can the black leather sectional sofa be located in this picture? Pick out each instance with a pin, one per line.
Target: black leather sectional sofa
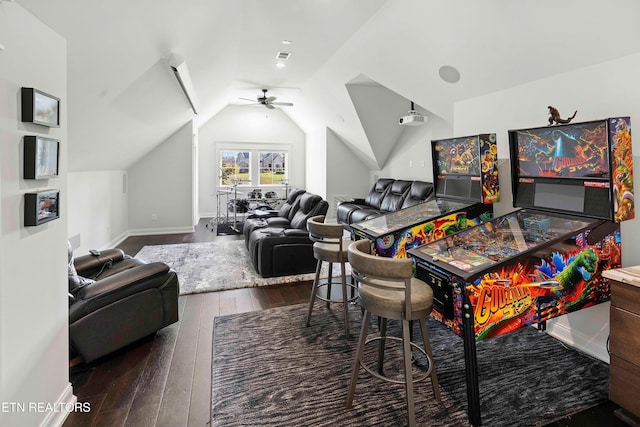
(386, 195)
(279, 243)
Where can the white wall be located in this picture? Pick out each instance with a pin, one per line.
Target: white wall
(160, 187)
(240, 126)
(98, 214)
(411, 156)
(597, 92)
(345, 174)
(33, 260)
(316, 161)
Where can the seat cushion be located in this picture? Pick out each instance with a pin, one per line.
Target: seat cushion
(330, 252)
(384, 301)
(363, 215)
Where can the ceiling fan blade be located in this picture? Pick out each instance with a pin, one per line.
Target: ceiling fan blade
(271, 99)
(269, 106)
(246, 99)
(283, 104)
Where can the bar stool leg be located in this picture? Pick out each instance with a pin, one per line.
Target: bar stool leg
(345, 303)
(381, 343)
(427, 348)
(358, 358)
(314, 289)
(408, 372)
(329, 279)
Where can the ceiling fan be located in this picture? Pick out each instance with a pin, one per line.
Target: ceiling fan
(268, 101)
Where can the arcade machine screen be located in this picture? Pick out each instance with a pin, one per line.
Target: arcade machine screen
(466, 168)
(464, 194)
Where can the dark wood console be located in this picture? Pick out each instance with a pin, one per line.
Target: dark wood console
(624, 342)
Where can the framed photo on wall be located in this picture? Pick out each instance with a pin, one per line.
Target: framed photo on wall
(40, 108)
(40, 207)
(41, 157)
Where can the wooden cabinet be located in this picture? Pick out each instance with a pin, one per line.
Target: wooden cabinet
(624, 338)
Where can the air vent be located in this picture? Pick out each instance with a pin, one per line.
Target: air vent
(283, 55)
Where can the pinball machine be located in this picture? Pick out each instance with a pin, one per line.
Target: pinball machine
(466, 184)
(573, 185)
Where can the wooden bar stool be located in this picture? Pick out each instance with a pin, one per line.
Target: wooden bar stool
(330, 246)
(389, 290)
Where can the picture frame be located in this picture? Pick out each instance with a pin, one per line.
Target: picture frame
(41, 207)
(40, 108)
(41, 157)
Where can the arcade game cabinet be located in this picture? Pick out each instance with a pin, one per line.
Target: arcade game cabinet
(466, 184)
(574, 185)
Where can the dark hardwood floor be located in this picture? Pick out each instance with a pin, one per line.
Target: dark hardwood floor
(165, 379)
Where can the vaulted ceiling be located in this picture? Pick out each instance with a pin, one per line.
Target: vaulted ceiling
(354, 64)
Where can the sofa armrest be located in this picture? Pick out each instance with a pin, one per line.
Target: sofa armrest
(355, 201)
(263, 213)
(86, 265)
(277, 221)
(295, 232)
(121, 285)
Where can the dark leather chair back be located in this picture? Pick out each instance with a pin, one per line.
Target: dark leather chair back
(285, 209)
(310, 205)
(419, 192)
(378, 192)
(396, 195)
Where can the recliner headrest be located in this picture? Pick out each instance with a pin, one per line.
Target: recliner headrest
(308, 201)
(293, 195)
(381, 184)
(399, 186)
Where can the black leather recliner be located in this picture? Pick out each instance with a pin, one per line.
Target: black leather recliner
(272, 217)
(115, 300)
(285, 248)
(387, 195)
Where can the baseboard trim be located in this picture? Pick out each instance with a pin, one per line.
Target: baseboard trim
(168, 230)
(67, 401)
(579, 341)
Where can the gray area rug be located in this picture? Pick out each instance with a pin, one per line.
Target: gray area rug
(215, 266)
(270, 370)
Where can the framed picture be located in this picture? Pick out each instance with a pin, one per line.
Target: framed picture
(40, 157)
(41, 207)
(40, 108)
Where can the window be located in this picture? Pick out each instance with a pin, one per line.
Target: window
(250, 165)
(273, 168)
(235, 167)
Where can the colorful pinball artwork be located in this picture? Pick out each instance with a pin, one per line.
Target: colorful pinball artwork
(472, 156)
(396, 245)
(533, 289)
(622, 168)
(576, 151)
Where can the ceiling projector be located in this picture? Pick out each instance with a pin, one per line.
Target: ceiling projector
(412, 119)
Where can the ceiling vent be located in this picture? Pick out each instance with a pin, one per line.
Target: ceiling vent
(283, 56)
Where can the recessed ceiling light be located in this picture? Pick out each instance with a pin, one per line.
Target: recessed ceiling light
(449, 74)
(280, 64)
(286, 41)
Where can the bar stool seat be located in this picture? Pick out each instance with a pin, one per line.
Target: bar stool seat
(330, 246)
(389, 290)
